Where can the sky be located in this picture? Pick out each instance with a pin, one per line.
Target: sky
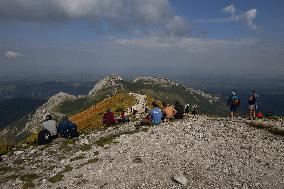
(169, 37)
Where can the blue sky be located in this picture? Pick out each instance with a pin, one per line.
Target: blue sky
(141, 36)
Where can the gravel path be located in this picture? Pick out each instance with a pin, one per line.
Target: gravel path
(202, 153)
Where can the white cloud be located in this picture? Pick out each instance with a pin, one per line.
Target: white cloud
(246, 17)
(229, 9)
(249, 17)
(12, 54)
(110, 15)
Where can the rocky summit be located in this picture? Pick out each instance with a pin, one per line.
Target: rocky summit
(205, 152)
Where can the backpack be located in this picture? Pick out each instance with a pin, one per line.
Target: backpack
(252, 100)
(72, 131)
(236, 101)
(44, 137)
(68, 130)
(156, 115)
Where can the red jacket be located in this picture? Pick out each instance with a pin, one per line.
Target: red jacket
(109, 119)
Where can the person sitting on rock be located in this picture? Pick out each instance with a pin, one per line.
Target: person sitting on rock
(124, 118)
(108, 118)
(156, 114)
(168, 111)
(180, 110)
(67, 129)
(187, 109)
(50, 125)
(146, 120)
(48, 132)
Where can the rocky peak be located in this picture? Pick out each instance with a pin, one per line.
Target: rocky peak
(108, 81)
(165, 82)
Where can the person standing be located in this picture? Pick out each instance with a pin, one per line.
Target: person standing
(233, 102)
(252, 101)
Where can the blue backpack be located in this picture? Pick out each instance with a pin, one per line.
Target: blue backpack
(235, 100)
(156, 115)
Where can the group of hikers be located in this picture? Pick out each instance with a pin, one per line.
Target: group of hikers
(234, 102)
(166, 113)
(154, 116)
(67, 129)
(109, 118)
(51, 130)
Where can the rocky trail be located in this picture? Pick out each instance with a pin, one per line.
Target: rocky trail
(200, 153)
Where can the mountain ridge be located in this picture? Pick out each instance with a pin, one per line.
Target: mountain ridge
(158, 88)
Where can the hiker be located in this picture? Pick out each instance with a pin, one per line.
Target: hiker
(156, 114)
(67, 129)
(48, 132)
(146, 120)
(168, 111)
(187, 109)
(194, 110)
(180, 110)
(123, 117)
(252, 101)
(50, 125)
(108, 118)
(234, 102)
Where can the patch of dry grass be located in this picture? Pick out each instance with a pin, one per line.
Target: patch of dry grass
(92, 117)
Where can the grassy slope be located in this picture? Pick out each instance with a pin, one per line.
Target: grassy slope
(91, 118)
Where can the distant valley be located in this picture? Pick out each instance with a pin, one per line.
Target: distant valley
(19, 98)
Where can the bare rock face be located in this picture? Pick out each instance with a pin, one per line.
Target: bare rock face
(165, 82)
(48, 108)
(36, 119)
(109, 81)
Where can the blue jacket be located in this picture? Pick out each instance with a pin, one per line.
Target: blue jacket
(156, 115)
(66, 128)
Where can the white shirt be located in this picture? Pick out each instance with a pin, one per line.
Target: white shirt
(50, 125)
